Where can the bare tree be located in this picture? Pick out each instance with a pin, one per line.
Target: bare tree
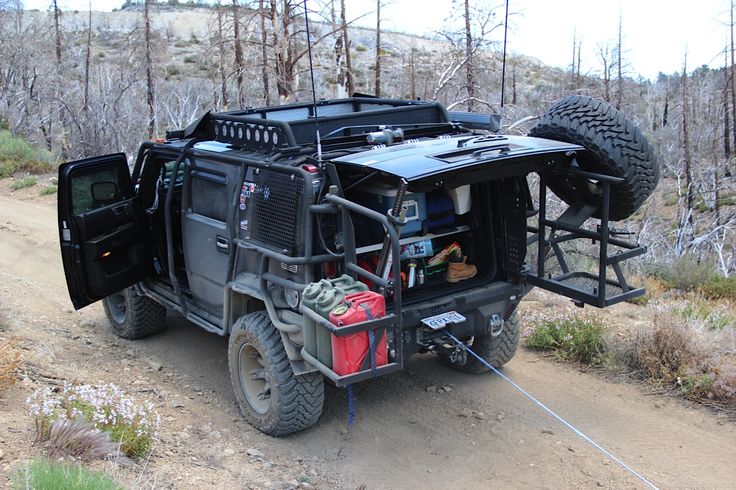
(733, 73)
(470, 61)
(57, 31)
(686, 146)
(726, 122)
(619, 64)
(264, 52)
(239, 64)
(221, 52)
(151, 91)
(349, 81)
(461, 53)
(87, 57)
(605, 57)
(378, 48)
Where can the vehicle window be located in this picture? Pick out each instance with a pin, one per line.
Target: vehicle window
(209, 195)
(168, 169)
(96, 188)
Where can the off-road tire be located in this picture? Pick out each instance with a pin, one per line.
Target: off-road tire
(134, 316)
(497, 350)
(295, 402)
(614, 146)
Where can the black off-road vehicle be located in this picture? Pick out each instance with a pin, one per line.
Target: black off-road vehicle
(240, 221)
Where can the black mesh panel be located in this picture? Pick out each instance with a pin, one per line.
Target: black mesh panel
(272, 202)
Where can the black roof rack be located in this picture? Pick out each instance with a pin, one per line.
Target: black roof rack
(293, 125)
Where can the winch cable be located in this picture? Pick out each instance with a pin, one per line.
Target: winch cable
(544, 407)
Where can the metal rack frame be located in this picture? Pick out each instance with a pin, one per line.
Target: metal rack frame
(573, 230)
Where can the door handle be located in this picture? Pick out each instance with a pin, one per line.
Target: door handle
(222, 243)
(120, 210)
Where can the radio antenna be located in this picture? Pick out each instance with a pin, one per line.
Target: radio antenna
(503, 64)
(311, 76)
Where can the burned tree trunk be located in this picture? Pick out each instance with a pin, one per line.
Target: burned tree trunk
(470, 57)
(378, 48)
(221, 51)
(150, 92)
(239, 65)
(264, 53)
(350, 81)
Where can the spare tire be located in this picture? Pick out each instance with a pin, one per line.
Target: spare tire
(614, 146)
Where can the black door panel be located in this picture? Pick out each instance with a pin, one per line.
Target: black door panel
(105, 241)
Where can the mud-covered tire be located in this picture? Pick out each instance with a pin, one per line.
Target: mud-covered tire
(496, 350)
(614, 146)
(292, 403)
(134, 316)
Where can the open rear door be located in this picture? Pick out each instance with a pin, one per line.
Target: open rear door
(105, 244)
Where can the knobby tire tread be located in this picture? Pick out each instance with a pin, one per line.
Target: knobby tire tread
(143, 317)
(299, 399)
(615, 146)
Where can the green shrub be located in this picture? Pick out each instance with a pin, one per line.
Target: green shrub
(189, 59)
(16, 155)
(686, 273)
(711, 315)
(575, 339)
(47, 475)
(29, 181)
(172, 71)
(719, 287)
(51, 189)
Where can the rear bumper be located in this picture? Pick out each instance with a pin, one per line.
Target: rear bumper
(478, 305)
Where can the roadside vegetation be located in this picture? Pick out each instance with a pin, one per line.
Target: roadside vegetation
(10, 359)
(93, 421)
(22, 183)
(19, 157)
(42, 474)
(687, 346)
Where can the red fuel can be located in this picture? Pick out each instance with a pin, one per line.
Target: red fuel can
(349, 352)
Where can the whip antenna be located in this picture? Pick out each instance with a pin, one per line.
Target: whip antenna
(503, 63)
(311, 76)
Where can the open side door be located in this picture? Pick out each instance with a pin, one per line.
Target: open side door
(105, 244)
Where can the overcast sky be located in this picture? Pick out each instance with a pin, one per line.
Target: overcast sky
(657, 33)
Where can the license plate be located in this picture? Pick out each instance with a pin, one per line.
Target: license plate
(441, 321)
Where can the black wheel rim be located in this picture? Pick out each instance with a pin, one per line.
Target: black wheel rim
(118, 307)
(254, 380)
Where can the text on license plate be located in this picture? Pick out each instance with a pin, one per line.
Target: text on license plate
(440, 321)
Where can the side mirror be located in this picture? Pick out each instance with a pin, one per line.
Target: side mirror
(105, 192)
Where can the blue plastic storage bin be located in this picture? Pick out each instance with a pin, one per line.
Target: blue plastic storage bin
(381, 198)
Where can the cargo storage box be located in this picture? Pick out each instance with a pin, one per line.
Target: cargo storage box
(381, 198)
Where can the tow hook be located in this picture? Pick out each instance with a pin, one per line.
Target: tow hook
(495, 325)
(458, 356)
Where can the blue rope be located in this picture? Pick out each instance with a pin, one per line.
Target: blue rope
(351, 405)
(577, 431)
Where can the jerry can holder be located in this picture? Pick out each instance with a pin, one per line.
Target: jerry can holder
(583, 287)
(391, 323)
(386, 324)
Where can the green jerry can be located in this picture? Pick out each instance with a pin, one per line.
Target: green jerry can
(322, 297)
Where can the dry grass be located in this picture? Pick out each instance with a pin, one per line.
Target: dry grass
(80, 439)
(697, 362)
(10, 360)
(654, 286)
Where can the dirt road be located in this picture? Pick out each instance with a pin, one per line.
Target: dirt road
(427, 427)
